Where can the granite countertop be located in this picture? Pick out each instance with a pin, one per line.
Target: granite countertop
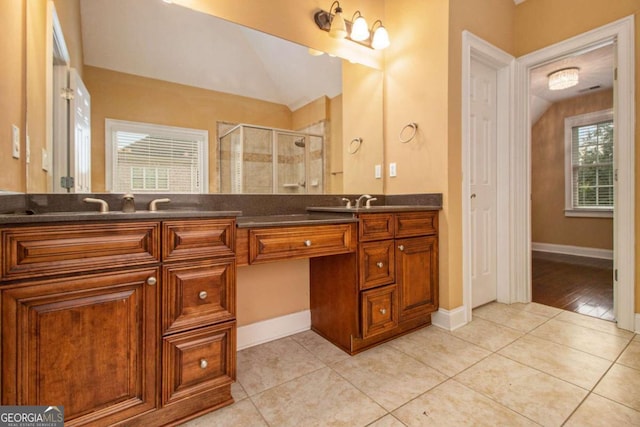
(26, 218)
(374, 208)
(293, 219)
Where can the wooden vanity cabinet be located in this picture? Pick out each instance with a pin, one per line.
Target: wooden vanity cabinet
(126, 322)
(387, 288)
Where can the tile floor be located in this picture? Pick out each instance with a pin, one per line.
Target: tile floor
(520, 364)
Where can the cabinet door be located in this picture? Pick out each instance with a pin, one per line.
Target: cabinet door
(417, 276)
(88, 343)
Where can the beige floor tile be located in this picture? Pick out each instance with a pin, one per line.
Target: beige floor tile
(534, 394)
(566, 363)
(596, 411)
(267, 365)
(636, 337)
(321, 348)
(631, 355)
(595, 342)
(238, 392)
(321, 398)
(621, 384)
(241, 414)
(486, 334)
(539, 309)
(453, 404)
(388, 376)
(387, 421)
(440, 350)
(593, 323)
(511, 317)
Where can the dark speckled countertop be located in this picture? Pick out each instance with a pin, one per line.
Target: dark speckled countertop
(24, 218)
(294, 219)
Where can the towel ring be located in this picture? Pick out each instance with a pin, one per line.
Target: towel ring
(353, 148)
(411, 125)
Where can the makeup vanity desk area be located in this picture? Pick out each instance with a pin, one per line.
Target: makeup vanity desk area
(373, 272)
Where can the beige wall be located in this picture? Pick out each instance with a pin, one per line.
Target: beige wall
(69, 15)
(548, 222)
(12, 92)
(334, 152)
(541, 23)
(122, 96)
(311, 113)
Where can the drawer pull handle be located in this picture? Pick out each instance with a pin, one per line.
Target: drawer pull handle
(152, 281)
(379, 264)
(383, 311)
(203, 363)
(203, 295)
(307, 243)
(401, 247)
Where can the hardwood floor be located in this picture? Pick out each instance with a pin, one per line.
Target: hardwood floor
(583, 285)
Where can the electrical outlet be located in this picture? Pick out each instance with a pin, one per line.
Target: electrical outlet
(15, 141)
(392, 170)
(378, 171)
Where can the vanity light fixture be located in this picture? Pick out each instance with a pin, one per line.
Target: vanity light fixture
(564, 78)
(357, 31)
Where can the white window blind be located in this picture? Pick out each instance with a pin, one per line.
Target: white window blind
(154, 158)
(589, 185)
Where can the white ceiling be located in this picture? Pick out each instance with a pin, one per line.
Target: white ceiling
(154, 39)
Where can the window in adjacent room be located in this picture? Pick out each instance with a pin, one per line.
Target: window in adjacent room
(589, 164)
(149, 158)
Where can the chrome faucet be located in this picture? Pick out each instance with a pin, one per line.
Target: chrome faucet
(128, 205)
(348, 205)
(153, 205)
(104, 206)
(368, 205)
(359, 200)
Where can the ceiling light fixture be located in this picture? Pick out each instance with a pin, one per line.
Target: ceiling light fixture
(564, 78)
(357, 31)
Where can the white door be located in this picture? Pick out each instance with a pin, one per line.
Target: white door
(482, 180)
(80, 141)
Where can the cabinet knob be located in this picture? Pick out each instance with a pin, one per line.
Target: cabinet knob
(203, 363)
(379, 264)
(307, 243)
(152, 281)
(383, 311)
(401, 247)
(203, 295)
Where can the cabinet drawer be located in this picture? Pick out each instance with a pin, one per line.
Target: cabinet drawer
(416, 224)
(198, 361)
(187, 240)
(379, 310)
(375, 227)
(198, 294)
(376, 264)
(270, 244)
(62, 249)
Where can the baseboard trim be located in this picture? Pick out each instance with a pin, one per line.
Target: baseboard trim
(572, 250)
(637, 331)
(273, 329)
(449, 319)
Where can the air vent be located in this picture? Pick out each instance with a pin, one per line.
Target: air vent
(589, 89)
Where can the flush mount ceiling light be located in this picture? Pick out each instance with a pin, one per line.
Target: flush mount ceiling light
(564, 78)
(355, 30)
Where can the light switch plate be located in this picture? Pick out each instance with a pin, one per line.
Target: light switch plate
(392, 169)
(378, 171)
(15, 141)
(45, 160)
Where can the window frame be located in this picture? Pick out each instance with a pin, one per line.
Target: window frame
(113, 125)
(569, 123)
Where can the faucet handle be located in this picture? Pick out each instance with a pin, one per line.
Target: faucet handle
(348, 205)
(368, 205)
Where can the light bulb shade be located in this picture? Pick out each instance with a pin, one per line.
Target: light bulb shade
(563, 79)
(338, 28)
(359, 29)
(380, 38)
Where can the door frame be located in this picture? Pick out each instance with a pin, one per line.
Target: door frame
(624, 213)
(474, 48)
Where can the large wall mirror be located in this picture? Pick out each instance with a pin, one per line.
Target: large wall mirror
(170, 99)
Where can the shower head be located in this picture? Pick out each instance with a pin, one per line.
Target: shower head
(299, 142)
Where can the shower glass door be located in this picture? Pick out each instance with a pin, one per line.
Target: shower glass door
(291, 163)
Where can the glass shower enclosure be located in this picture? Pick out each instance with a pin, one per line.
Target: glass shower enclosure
(255, 159)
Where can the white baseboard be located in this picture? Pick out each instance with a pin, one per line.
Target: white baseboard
(637, 326)
(449, 319)
(572, 250)
(273, 329)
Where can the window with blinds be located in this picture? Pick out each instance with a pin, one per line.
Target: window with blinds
(153, 158)
(590, 167)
